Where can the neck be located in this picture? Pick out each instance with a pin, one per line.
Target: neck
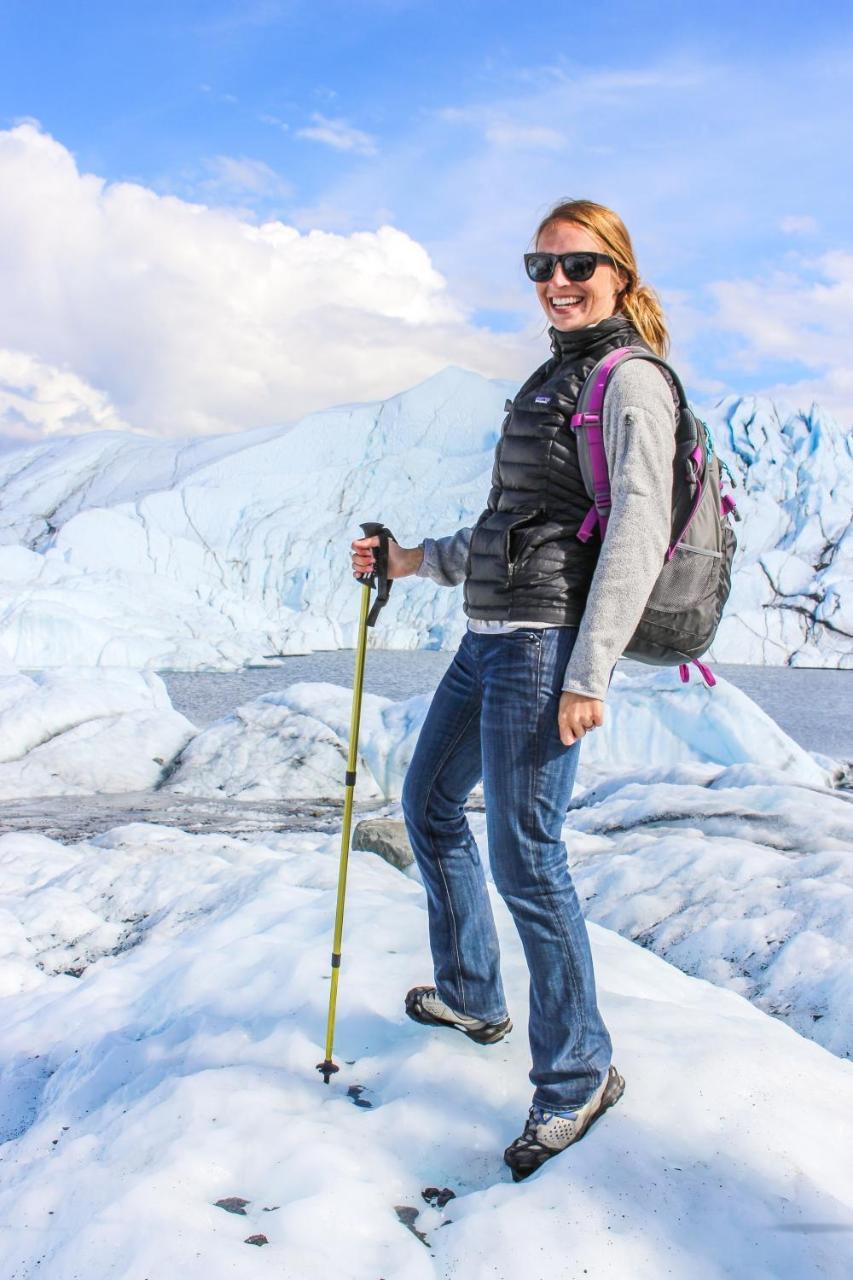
(574, 341)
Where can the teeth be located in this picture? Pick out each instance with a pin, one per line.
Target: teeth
(565, 302)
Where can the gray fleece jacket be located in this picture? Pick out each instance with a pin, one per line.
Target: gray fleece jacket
(639, 441)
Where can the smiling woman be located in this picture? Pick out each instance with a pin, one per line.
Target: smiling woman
(550, 611)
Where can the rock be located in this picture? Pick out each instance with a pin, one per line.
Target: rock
(438, 1197)
(258, 1239)
(387, 837)
(409, 1216)
(233, 1204)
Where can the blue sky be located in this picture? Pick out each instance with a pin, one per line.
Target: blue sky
(721, 134)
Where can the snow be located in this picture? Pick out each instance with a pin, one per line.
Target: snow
(744, 878)
(118, 549)
(82, 730)
(178, 1069)
(722, 845)
(293, 742)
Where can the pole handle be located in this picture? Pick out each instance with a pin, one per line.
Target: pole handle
(379, 574)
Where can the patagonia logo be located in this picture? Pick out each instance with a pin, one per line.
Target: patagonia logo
(542, 400)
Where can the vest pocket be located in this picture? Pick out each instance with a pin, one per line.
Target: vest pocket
(519, 537)
(500, 537)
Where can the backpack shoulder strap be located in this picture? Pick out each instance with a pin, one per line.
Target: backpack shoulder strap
(588, 427)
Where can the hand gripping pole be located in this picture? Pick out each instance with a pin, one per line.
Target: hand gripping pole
(379, 574)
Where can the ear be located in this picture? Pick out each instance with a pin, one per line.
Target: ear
(623, 278)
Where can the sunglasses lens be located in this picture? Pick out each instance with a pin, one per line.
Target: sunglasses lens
(540, 266)
(579, 266)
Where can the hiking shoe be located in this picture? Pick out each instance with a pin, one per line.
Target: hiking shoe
(423, 1005)
(546, 1134)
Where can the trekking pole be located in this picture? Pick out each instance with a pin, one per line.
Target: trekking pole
(327, 1067)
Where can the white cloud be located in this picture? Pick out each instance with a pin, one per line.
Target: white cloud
(38, 400)
(500, 128)
(265, 118)
(240, 175)
(338, 133)
(531, 136)
(193, 320)
(805, 317)
(799, 225)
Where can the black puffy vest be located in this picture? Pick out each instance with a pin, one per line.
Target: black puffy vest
(525, 561)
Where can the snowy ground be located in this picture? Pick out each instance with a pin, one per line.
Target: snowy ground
(177, 1069)
(163, 999)
(721, 844)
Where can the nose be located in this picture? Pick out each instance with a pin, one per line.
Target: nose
(559, 278)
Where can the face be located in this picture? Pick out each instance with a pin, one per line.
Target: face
(569, 305)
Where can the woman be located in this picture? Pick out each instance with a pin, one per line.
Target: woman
(549, 616)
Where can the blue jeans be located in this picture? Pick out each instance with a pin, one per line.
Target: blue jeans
(494, 716)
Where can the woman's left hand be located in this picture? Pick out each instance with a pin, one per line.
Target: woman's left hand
(577, 714)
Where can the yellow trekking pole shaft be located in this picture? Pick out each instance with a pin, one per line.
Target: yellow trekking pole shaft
(327, 1067)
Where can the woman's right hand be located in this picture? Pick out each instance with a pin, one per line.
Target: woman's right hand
(402, 561)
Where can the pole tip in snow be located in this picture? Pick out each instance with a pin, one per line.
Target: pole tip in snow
(327, 1069)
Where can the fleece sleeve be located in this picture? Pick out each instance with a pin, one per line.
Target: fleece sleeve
(445, 558)
(639, 442)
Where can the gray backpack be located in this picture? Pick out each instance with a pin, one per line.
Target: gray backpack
(686, 604)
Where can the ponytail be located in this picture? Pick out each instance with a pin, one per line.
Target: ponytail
(642, 306)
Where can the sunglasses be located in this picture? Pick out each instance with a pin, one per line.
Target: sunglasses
(576, 266)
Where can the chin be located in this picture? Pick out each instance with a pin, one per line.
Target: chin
(569, 322)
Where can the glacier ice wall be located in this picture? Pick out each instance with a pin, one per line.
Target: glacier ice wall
(212, 554)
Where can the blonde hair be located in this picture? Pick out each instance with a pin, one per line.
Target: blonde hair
(637, 301)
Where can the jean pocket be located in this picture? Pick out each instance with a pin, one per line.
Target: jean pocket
(529, 635)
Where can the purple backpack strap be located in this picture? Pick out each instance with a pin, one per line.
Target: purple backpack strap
(707, 673)
(590, 406)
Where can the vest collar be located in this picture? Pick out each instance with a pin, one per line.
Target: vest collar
(577, 342)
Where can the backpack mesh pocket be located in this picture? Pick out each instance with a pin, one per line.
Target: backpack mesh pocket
(690, 577)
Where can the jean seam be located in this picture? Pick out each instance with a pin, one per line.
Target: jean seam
(437, 857)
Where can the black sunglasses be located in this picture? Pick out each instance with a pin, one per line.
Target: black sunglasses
(576, 266)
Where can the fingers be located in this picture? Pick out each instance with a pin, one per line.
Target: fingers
(576, 718)
(362, 555)
(569, 737)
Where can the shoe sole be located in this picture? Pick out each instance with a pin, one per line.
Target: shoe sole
(486, 1035)
(528, 1162)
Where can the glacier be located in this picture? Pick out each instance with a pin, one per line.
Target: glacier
(224, 552)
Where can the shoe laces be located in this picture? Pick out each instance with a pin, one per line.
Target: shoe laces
(539, 1116)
